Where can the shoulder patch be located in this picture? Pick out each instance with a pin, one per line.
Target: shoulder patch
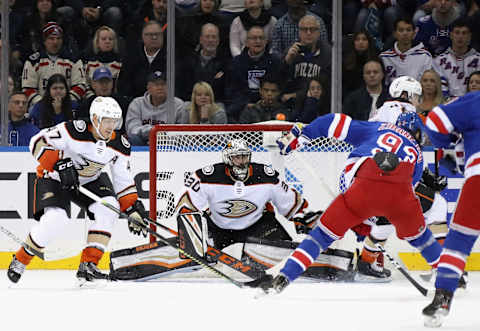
(125, 141)
(268, 170)
(34, 57)
(80, 125)
(208, 170)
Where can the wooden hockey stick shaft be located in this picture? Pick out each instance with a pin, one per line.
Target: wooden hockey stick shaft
(435, 153)
(404, 272)
(198, 260)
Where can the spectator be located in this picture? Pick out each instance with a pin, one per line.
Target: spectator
(56, 105)
(15, 67)
(458, 61)
(190, 27)
(363, 103)
(406, 58)
(148, 57)
(20, 130)
(150, 109)
(102, 53)
(16, 20)
(434, 30)
(269, 106)
(52, 59)
(102, 85)
(254, 14)
(473, 16)
(208, 64)
(285, 31)
(310, 57)
(40, 13)
(247, 69)
(202, 108)
(473, 82)
(312, 101)
(431, 93)
(361, 50)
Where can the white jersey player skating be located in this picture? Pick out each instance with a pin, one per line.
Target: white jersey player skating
(72, 154)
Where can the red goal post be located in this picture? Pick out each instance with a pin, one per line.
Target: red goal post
(178, 150)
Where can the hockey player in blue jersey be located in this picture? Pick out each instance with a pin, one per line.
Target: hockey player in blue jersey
(444, 125)
(385, 163)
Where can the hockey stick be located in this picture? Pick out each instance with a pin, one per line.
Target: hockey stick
(198, 260)
(397, 265)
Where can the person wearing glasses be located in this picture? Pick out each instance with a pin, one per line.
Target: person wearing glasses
(147, 57)
(20, 130)
(306, 58)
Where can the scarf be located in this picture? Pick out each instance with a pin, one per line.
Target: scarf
(248, 21)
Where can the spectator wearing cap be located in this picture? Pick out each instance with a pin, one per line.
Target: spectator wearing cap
(150, 109)
(53, 58)
(147, 57)
(102, 85)
(20, 130)
(103, 52)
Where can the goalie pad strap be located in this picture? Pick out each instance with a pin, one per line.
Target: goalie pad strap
(192, 234)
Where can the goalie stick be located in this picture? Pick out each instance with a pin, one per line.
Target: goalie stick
(404, 272)
(198, 260)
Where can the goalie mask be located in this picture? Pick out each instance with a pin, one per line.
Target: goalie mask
(105, 108)
(407, 88)
(237, 156)
(412, 123)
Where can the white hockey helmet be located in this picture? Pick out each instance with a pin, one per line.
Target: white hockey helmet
(237, 147)
(408, 85)
(105, 107)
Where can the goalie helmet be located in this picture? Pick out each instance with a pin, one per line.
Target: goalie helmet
(237, 147)
(105, 107)
(412, 123)
(406, 85)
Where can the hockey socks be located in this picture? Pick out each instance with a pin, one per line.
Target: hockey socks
(452, 261)
(428, 247)
(308, 250)
(23, 256)
(91, 254)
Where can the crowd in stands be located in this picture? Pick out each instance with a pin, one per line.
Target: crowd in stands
(237, 61)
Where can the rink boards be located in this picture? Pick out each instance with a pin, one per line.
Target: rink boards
(17, 172)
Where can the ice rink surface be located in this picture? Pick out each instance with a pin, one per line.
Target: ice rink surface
(49, 300)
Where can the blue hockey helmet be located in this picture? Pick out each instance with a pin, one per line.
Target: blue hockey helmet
(411, 122)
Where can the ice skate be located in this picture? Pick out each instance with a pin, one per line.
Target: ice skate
(372, 272)
(462, 282)
(15, 270)
(436, 311)
(89, 276)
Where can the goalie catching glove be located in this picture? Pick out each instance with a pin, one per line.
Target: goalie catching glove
(306, 220)
(289, 142)
(138, 213)
(67, 173)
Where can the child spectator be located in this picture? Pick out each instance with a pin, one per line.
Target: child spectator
(311, 102)
(55, 106)
(202, 108)
(103, 52)
(254, 14)
(20, 130)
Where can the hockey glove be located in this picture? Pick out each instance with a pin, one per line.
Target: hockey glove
(138, 213)
(67, 173)
(435, 183)
(289, 142)
(304, 222)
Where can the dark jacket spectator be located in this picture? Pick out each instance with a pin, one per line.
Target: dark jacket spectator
(312, 102)
(56, 105)
(147, 57)
(20, 129)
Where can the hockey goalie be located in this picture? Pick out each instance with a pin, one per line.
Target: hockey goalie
(228, 203)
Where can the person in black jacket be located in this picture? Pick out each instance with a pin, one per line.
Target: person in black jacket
(246, 71)
(312, 101)
(148, 57)
(363, 103)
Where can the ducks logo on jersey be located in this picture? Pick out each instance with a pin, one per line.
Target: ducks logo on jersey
(237, 208)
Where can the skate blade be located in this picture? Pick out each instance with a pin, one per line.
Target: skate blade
(360, 278)
(261, 293)
(434, 321)
(84, 284)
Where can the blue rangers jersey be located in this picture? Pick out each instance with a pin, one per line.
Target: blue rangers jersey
(460, 116)
(434, 37)
(367, 138)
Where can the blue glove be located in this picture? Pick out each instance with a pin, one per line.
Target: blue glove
(289, 142)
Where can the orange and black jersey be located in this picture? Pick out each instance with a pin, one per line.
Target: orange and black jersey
(75, 140)
(236, 204)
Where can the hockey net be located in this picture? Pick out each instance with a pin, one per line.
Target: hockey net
(178, 150)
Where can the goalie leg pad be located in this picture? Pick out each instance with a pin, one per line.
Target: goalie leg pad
(192, 234)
